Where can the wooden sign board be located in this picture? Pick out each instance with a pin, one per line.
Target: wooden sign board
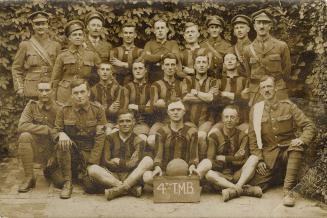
(176, 189)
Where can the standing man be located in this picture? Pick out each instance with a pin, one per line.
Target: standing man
(80, 129)
(154, 50)
(36, 127)
(122, 57)
(200, 92)
(176, 141)
(216, 44)
(266, 55)
(35, 57)
(74, 63)
(273, 123)
(228, 151)
(241, 28)
(94, 25)
(124, 164)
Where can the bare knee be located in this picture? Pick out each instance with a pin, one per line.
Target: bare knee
(206, 163)
(25, 137)
(93, 170)
(143, 137)
(147, 177)
(146, 163)
(202, 135)
(210, 175)
(151, 140)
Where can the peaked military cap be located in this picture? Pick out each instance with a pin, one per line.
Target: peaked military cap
(240, 18)
(215, 20)
(92, 15)
(72, 26)
(262, 14)
(39, 16)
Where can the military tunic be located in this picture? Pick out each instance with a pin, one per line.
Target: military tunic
(239, 51)
(29, 67)
(278, 127)
(101, 47)
(72, 64)
(272, 57)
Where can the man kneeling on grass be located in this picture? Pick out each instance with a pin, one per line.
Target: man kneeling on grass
(228, 151)
(123, 164)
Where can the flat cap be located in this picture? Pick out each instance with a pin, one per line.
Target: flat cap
(72, 26)
(215, 20)
(240, 18)
(39, 16)
(262, 14)
(92, 15)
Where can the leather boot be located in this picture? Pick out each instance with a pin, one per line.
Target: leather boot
(136, 191)
(27, 184)
(66, 190)
(115, 192)
(252, 191)
(229, 193)
(289, 199)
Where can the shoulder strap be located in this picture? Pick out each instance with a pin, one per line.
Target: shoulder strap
(253, 51)
(41, 51)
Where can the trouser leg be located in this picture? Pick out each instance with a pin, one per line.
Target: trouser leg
(65, 164)
(136, 175)
(26, 153)
(292, 169)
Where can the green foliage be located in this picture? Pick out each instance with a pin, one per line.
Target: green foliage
(302, 24)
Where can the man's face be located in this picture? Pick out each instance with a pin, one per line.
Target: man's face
(169, 66)
(105, 72)
(80, 94)
(230, 62)
(267, 89)
(94, 27)
(138, 70)
(125, 123)
(191, 34)
(76, 37)
(201, 64)
(176, 114)
(40, 27)
(262, 27)
(129, 35)
(230, 118)
(214, 30)
(160, 30)
(241, 30)
(44, 91)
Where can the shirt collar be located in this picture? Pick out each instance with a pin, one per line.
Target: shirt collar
(273, 106)
(169, 82)
(85, 107)
(218, 39)
(162, 42)
(94, 40)
(74, 49)
(143, 82)
(265, 39)
(108, 83)
(125, 139)
(196, 46)
(197, 78)
(243, 41)
(43, 106)
(129, 47)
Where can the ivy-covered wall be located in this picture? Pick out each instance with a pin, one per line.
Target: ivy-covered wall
(302, 24)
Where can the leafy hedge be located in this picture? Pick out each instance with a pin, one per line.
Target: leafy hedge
(302, 24)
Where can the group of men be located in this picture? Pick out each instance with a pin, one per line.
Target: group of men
(115, 118)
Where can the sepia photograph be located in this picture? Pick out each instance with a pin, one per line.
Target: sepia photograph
(163, 108)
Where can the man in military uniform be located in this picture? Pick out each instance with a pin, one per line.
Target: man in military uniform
(36, 127)
(122, 57)
(272, 138)
(192, 47)
(35, 57)
(241, 28)
(154, 50)
(228, 150)
(216, 44)
(123, 165)
(266, 55)
(80, 133)
(176, 141)
(94, 24)
(73, 63)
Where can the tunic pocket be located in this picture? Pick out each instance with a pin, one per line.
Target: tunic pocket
(274, 63)
(285, 123)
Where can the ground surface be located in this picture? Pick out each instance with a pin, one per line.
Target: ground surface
(44, 202)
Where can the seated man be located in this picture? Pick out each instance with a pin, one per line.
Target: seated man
(123, 164)
(138, 93)
(228, 150)
(176, 141)
(200, 92)
(80, 130)
(36, 126)
(272, 127)
(110, 95)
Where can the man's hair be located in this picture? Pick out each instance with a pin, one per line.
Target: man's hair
(44, 80)
(160, 19)
(104, 62)
(128, 24)
(233, 107)
(169, 56)
(229, 53)
(190, 24)
(265, 77)
(78, 82)
(126, 111)
(201, 53)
